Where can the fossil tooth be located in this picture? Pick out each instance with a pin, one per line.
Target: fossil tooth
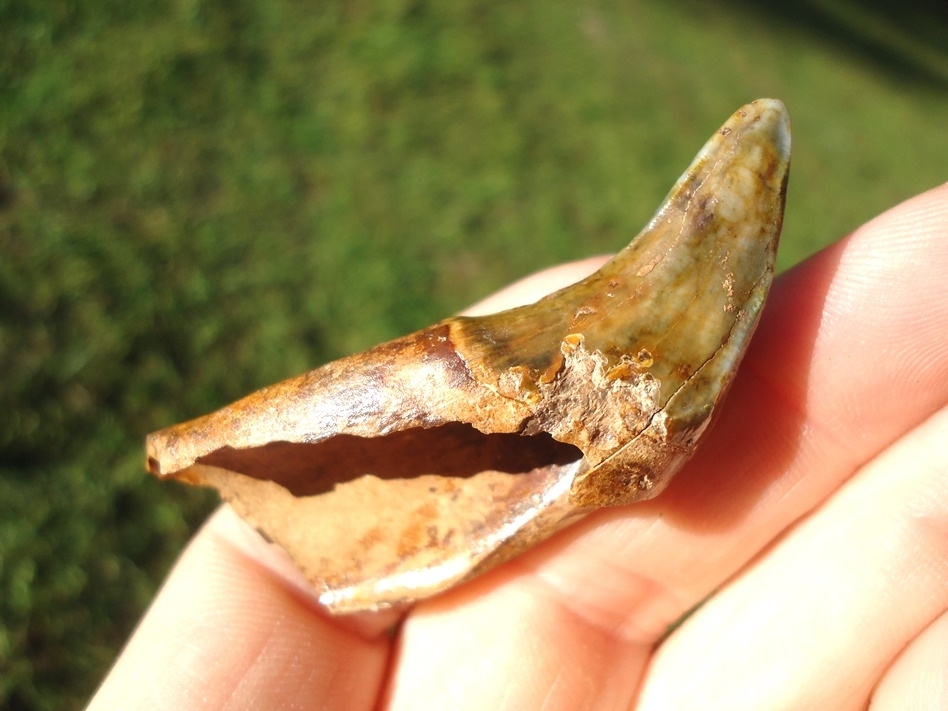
(393, 474)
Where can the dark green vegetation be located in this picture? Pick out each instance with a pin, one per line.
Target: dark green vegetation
(199, 197)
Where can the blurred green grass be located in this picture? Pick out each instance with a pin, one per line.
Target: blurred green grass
(200, 197)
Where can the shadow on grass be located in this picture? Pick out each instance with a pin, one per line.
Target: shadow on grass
(908, 39)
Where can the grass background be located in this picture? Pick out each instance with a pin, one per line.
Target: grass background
(200, 197)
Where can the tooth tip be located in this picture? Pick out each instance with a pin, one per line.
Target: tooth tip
(775, 119)
(774, 104)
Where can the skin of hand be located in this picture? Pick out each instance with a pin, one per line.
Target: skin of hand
(811, 528)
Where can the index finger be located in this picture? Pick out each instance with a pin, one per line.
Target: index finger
(231, 628)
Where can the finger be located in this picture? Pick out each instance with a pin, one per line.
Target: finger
(917, 680)
(615, 581)
(230, 630)
(818, 619)
(505, 642)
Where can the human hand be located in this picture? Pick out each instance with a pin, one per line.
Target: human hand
(815, 516)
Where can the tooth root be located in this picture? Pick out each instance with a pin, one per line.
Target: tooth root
(392, 474)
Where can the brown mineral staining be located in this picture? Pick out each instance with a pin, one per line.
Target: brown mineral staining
(393, 474)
